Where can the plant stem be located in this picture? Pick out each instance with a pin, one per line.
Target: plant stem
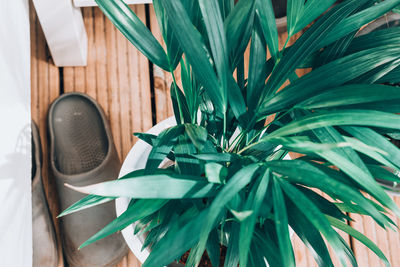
(224, 141)
(177, 97)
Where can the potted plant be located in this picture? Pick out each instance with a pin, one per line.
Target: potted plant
(228, 186)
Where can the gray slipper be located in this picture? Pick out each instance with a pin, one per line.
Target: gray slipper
(82, 152)
(45, 251)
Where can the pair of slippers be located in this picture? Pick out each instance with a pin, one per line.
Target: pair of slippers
(82, 152)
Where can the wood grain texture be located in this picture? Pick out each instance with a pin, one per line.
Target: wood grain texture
(387, 241)
(119, 78)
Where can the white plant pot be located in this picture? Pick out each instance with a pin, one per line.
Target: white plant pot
(136, 160)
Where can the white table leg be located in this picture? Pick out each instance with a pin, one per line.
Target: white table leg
(64, 29)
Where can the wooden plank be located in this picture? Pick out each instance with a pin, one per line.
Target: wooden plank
(387, 241)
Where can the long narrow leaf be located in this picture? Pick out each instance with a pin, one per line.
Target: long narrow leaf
(315, 216)
(232, 187)
(137, 211)
(281, 222)
(265, 14)
(163, 186)
(193, 46)
(247, 226)
(216, 35)
(134, 30)
(356, 21)
(362, 238)
(339, 118)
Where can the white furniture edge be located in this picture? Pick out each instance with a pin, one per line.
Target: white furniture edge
(15, 141)
(64, 29)
(82, 3)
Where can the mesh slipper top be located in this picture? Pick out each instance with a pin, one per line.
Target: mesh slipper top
(82, 152)
(81, 144)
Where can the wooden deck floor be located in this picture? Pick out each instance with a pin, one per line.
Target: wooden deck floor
(135, 97)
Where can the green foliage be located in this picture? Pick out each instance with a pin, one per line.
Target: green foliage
(230, 183)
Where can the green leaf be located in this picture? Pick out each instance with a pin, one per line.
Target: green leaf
(176, 242)
(247, 226)
(327, 180)
(190, 89)
(162, 146)
(196, 54)
(336, 50)
(148, 138)
(215, 173)
(216, 35)
(294, 13)
(382, 173)
(86, 202)
(179, 104)
(362, 238)
(311, 10)
(93, 200)
(242, 215)
(356, 21)
(174, 52)
(310, 235)
(140, 209)
(213, 248)
(184, 163)
(232, 253)
(330, 134)
(324, 205)
(238, 26)
(236, 183)
(378, 73)
(265, 14)
(226, 7)
(350, 95)
(134, 30)
(236, 100)
(315, 216)
(373, 39)
(217, 157)
(197, 134)
(162, 186)
(372, 138)
(258, 55)
(282, 225)
(373, 152)
(331, 75)
(307, 44)
(361, 177)
(339, 118)
(268, 244)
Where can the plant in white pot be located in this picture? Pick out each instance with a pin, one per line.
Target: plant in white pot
(228, 186)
